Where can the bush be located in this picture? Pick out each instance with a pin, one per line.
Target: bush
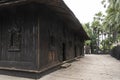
(115, 52)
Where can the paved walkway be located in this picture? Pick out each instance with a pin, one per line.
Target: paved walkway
(91, 67)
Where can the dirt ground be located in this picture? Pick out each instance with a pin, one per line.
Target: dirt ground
(91, 67)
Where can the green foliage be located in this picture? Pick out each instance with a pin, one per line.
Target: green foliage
(94, 30)
(111, 21)
(107, 26)
(88, 29)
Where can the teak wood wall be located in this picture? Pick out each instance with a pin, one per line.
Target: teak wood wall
(33, 37)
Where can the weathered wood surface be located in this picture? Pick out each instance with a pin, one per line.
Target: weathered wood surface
(34, 38)
(57, 40)
(18, 42)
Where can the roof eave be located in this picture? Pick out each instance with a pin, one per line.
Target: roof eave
(59, 7)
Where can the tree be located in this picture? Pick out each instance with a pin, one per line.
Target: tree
(95, 30)
(111, 22)
(107, 26)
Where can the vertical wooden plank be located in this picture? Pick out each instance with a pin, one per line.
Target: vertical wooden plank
(0, 40)
(38, 44)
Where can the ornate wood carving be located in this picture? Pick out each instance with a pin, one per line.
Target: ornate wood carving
(14, 39)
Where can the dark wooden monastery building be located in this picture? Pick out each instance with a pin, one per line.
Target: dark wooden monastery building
(36, 35)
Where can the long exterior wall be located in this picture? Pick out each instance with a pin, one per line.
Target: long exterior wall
(34, 37)
(17, 39)
(58, 42)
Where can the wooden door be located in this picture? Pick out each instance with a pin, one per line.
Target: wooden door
(64, 51)
(75, 50)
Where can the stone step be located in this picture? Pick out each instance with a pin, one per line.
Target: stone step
(77, 59)
(65, 65)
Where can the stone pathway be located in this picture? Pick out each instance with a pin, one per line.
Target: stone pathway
(91, 67)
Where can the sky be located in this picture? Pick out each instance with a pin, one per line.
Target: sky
(85, 10)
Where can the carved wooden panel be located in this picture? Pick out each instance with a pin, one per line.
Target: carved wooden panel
(14, 38)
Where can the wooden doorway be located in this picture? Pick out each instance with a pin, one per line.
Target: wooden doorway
(64, 51)
(75, 50)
